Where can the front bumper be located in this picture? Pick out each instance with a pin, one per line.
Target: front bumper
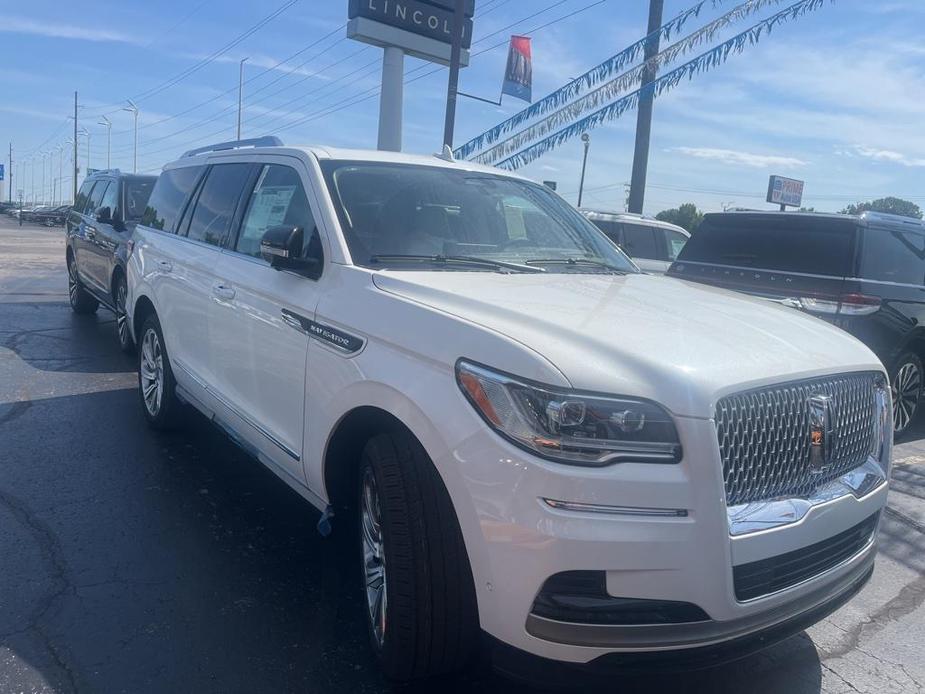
(520, 541)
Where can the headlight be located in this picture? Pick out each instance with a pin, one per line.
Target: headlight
(568, 426)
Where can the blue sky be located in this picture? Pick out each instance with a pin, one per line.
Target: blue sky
(836, 98)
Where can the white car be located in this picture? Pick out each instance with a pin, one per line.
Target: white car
(652, 244)
(528, 437)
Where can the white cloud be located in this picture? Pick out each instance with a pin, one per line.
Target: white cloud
(738, 158)
(887, 155)
(17, 25)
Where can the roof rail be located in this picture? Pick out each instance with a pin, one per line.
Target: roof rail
(111, 172)
(265, 141)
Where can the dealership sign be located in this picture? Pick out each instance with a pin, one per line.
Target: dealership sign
(426, 19)
(785, 191)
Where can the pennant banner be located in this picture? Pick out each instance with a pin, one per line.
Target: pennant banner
(518, 76)
(702, 63)
(609, 91)
(586, 81)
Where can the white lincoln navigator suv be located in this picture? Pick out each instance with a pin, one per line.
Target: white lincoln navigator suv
(529, 438)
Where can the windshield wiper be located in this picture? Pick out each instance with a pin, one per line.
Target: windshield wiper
(454, 260)
(578, 261)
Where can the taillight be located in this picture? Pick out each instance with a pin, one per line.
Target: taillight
(859, 304)
(844, 305)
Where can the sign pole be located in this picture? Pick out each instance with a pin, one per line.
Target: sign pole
(459, 18)
(390, 98)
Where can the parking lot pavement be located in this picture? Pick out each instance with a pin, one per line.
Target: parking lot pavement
(141, 562)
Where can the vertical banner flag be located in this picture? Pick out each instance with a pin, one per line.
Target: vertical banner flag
(518, 77)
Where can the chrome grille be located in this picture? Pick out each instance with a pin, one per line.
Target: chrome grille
(764, 436)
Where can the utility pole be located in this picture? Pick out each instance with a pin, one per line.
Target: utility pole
(132, 108)
(108, 123)
(241, 93)
(61, 172)
(459, 19)
(44, 157)
(9, 185)
(74, 198)
(644, 115)
(32, 166)
(586, 139)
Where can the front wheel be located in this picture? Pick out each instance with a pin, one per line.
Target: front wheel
(82, 302)
(906, 387)
(421, 609)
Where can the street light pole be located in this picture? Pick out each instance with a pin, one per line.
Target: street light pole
(86, 133)
(61, 172)
(105, 121)
(586, 139)
(75, 149)
(133, 109)
(241, 93)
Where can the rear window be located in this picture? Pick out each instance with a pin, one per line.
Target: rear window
(169, 195)
(893, 255)
(811, 246)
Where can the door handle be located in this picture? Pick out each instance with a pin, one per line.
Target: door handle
(165, 265)
(223, 292)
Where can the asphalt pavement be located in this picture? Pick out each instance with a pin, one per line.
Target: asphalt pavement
(132, 561)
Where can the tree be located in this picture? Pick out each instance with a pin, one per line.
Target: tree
(686, 216)
(888, 205)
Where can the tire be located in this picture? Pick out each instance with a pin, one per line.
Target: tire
(906, 381)
(429, 620)
(119, 293)
(82, 303)
(159, 405)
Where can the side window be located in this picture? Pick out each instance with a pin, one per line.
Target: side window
(892, 255)
(610, 229)
(215, 206)
(168, 197)
(96, 197)
(675, 242)
(278, 198)
(641, 242)
(111, 200)
(80, 202)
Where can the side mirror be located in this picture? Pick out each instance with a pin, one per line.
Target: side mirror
(104, 215)
(282, 246)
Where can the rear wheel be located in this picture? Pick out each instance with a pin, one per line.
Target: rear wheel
(906, 386)
(420, 599)
(156, 384)
(120, 292)
(81, 301)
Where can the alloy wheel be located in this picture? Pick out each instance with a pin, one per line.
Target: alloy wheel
(374, 557)
(72, 287)
(906, 389)
(121, 321)
(152, 372)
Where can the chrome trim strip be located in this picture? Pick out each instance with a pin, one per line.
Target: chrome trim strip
(744, 269)
(765, 515)
(238, 413)
(615, 510)
(670, 637)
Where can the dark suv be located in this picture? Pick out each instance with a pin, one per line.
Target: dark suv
(864, 274)
(98, 228)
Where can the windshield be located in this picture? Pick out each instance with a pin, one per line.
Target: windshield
(420, 217)
(819, 246)
(137, 192)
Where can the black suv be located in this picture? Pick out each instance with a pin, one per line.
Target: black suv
(865, 274)
(98, 229)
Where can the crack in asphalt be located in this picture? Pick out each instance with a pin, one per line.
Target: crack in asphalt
(904, 519)
(909, 599)
(50, 549)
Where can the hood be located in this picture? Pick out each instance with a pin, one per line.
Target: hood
(681, 344)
